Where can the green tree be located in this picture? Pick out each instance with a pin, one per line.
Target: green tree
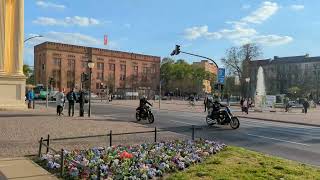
(182, 76)
(29, 73)
(294, 92)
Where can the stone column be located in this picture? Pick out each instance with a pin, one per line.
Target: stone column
(17, 65)
(2, 40)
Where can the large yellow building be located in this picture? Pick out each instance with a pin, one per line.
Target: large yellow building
(209, 67)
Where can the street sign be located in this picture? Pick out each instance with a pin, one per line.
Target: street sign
(221, 75)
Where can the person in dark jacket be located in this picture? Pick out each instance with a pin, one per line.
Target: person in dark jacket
(205, 102)
(305, 106)
(82, 100)
(71, 96)
(142, 104)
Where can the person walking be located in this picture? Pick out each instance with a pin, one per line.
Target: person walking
(81, 102)
(245, 106)
(71, 96)
(205, 102)
(241, 104)
(29, 98)
(60, 100)
(305, 106)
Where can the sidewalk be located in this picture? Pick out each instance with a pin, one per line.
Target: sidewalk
(22, 168)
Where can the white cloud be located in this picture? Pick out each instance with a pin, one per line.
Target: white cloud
(46, 4)
(202, 31)
(68, 21)
(240, 33)
(297, 7)
(195, 32)
(266, 10)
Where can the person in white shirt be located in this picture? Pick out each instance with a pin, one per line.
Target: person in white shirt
(60, 100)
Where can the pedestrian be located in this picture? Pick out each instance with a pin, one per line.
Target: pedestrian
(305, 106)
(72, 98)
(29, 98)
(245, 106)
(241, 104)
(60, 100)
(205, 102)
(81, 102)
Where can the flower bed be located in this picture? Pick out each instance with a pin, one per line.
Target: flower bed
(143, 161)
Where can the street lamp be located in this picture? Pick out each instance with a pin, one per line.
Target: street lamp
(32, 37)
(247, 81)
(91, 66)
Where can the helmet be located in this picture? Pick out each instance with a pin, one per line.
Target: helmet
(210, 99)
(143, 97)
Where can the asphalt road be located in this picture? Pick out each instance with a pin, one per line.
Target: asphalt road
(290, 141)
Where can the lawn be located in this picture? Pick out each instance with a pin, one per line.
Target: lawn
(239, 163)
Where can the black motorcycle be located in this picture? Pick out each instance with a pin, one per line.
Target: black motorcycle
(145, 115)
(222, 117)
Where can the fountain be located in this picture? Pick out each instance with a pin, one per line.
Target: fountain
(260, 97)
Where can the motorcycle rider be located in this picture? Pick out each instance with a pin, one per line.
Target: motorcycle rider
(215, 106)
(142, 105)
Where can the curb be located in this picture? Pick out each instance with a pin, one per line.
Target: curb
(273, 120)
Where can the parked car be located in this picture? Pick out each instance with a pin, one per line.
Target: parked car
(52, 95)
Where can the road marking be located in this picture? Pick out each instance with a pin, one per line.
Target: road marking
(292, 142)
(181, 122)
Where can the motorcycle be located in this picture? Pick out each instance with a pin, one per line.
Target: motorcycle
(222, 117)
(145, 115)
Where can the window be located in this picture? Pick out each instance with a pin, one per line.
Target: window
(135, 71)
(100, 76)
(71, 63)
(100, 66)
(122, 77)
(145, 69)
(123, 67)
(57, 61)
(84, 64)
(306, 66)
(111, 67)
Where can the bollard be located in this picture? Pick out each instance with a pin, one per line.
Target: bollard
(62, 164)
(48, 143)
(155, 134)
(110, 136)
(193, 129)
(40, 147)
(33, 104)
(99, 172)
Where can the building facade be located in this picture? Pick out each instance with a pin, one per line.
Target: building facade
(283, 73)
(209, 67)
(117, 71)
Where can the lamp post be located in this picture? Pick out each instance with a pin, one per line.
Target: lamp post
(247, 81)
(91, 66)
(32, 38)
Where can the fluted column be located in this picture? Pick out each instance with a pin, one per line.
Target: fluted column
(17, 64)
(2, 35)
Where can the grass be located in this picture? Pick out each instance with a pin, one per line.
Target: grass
(238, 163)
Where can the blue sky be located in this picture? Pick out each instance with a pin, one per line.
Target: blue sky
(205, 27)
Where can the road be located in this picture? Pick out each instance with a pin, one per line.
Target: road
(290, 141)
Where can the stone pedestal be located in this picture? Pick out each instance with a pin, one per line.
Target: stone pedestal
(12, 92)
(12, 80)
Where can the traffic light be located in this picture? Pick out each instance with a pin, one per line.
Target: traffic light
(84, 77)
(176, 51)
(51, 80)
